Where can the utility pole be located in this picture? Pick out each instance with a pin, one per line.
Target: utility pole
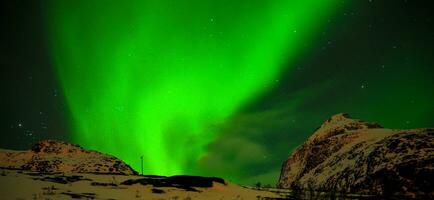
(141, 158)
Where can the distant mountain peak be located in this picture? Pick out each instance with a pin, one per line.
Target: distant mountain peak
(55, 146)
(341, 123)
(339, 117)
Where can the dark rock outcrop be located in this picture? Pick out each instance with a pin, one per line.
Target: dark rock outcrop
(51, 156)
(188, 183)
(353, 156)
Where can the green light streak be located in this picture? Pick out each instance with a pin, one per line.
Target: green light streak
(150, 77)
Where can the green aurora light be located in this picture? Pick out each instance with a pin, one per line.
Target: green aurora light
(151, 78)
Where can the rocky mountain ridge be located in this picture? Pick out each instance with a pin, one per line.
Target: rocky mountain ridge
(52, 156)
(353, 156)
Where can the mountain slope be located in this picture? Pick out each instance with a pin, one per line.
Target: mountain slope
(56, 156)
(353, 156)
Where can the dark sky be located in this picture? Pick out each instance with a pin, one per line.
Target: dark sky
(31, 102)
(373, 60)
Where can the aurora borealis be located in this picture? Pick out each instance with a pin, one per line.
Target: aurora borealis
(215, 88)
(151, 78)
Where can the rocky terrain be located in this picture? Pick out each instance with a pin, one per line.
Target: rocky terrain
(56, 156)
(353, 156)
(53, 170)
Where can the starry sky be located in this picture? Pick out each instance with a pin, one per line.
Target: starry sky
(272, 77)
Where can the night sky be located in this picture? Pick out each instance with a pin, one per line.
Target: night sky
(222, 89)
